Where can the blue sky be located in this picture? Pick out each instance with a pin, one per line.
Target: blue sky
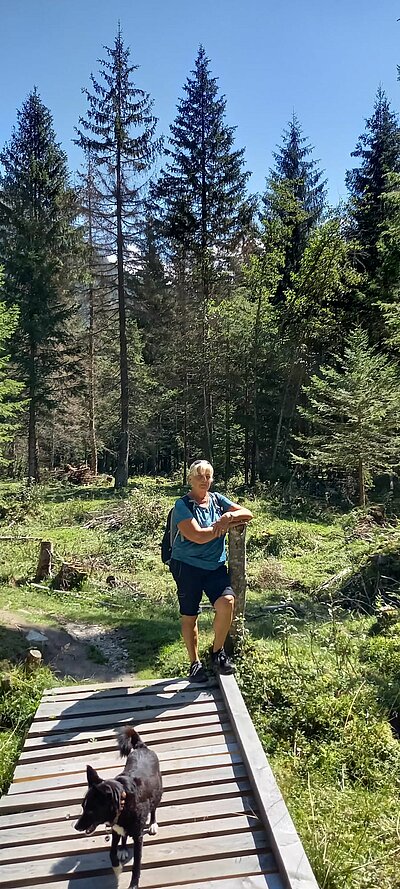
(324, 60)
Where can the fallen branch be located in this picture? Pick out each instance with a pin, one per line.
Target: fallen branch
(332, 580)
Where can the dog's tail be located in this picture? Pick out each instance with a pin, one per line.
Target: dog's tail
(128, 738)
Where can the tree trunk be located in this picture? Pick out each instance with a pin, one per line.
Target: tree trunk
(122, 470)
(255, 445)
(361, 482)
(227, 433)
(208, 442)
(33, 462)
(185, 429)
(246, 429)
(92, 361)
(280, 420)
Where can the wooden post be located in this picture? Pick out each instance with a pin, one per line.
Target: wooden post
(237, 568)
(45, 560)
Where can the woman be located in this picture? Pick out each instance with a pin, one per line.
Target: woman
(198, 564)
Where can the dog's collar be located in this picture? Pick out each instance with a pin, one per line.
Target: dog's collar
(120, 810)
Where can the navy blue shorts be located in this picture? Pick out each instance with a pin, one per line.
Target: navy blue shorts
(192, 582)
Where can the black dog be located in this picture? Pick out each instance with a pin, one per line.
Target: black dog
(126, 802)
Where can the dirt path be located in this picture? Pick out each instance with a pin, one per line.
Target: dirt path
(66, 647)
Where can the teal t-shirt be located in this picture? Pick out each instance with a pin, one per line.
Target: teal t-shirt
(202, 555)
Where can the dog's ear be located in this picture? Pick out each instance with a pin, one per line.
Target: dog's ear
(92, 776)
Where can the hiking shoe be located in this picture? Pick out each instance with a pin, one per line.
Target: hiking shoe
(222, 663)
(197, 673)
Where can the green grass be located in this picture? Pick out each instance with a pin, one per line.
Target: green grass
(320, 682)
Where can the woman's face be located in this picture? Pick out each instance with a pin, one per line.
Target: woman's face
(201, 483)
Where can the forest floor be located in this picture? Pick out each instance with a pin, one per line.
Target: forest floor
(318, 666)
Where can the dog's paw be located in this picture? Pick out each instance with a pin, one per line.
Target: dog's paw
(153, 829)
(123, 855)
(118, 871)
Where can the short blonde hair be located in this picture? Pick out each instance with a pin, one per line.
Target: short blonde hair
(200, 467)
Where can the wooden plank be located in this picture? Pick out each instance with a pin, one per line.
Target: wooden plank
(174, 739)
(168, 817)
(209, 857)
(170, 769)
(291, 858)
(121, 703)
(223, 872)
(150, 686)
(220, 783)
(75, 843)
(112, 759)
(147, 729)
(48, 726)
(130, 682)
(259, 881)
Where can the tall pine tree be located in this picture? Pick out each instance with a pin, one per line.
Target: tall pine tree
(38, 244)
(203, 191)
(119, 131)
(295, 195)
(371, 206)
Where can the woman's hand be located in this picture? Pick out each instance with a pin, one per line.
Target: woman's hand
(222, 524)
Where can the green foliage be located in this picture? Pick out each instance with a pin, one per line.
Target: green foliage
(371, 211)
(320, 689)
(11, 404)
(353, 412)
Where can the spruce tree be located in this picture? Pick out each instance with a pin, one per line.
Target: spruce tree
(371, 204)
(295, 195)
(205, 209)
(38, 248)
(119, 131)
(353, 412)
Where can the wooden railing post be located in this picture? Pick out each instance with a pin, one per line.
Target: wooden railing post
(237, 568)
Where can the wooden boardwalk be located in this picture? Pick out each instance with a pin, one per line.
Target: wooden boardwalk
(222, 821)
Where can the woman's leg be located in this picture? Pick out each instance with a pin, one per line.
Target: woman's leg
(223, 608)
(190, 633)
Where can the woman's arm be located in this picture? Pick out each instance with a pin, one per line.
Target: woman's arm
(235, 515)
(191, 530)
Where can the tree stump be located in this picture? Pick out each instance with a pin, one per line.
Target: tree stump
(69, 578)
(237, 568)
(45, 562)
(33, 659)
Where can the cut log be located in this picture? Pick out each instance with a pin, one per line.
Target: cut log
(33, 658)
(45, 561)
(69, 577)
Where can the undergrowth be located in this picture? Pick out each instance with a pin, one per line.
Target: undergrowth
(322, 682)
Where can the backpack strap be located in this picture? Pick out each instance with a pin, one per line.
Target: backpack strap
(173, 534)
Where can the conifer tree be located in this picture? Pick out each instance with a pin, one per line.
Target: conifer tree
(38, 243)
(353, 408)
(371, 205)
(295, 195)
(119, 131)
(202, 188)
